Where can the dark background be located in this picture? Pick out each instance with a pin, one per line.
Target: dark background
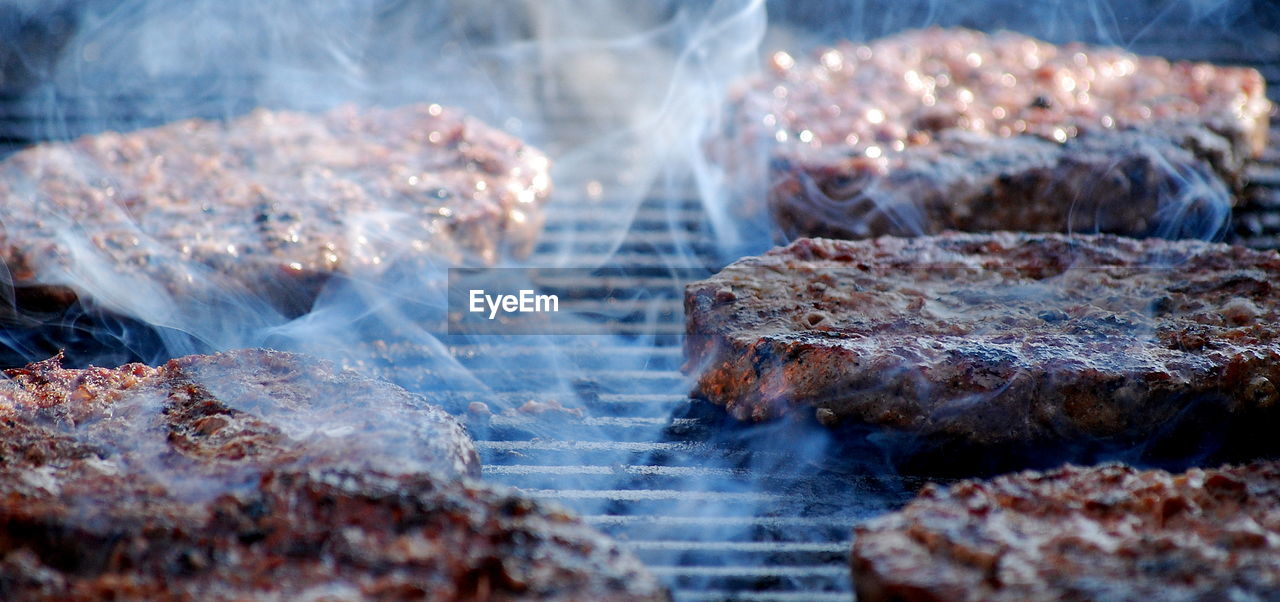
(71, 67)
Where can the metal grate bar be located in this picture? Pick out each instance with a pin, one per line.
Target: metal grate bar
(696, 595)
(715, 521)
(789, 546)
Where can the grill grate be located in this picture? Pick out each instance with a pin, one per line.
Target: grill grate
(710, 512)
(793, 545)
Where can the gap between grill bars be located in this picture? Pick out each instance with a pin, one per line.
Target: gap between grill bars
(793, 543)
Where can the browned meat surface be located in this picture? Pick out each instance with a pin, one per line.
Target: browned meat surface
(939, 129)
(260, 474)
(1103, 533)
(992, 338)
(272, 202)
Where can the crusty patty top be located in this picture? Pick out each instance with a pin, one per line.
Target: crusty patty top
(276, 200)
(990, 337)
(206, 418)
(902, 90)
(1104, 533)
(266, 475)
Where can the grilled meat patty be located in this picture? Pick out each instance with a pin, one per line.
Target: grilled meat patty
(943, 129)
(1104, 533)
(271, 203)
(267, 474)
(992, 338)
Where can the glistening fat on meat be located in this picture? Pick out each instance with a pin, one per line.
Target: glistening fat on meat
(272, 203)
(993, 339)
(1103, 533)
(942, 129)
(262, 474)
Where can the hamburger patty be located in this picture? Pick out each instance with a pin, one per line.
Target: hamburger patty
(272, 202)
(267, 474)
(992, 338)
(1104, 533)
(943, 129)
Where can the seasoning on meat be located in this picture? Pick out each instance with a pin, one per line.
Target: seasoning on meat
(1104, 533)
(940, 129)
(272, 202)
(260, 474)
(988, 339)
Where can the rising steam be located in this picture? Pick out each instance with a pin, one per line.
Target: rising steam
(629, 100)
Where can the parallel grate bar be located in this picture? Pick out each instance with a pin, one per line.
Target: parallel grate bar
(838, 547)
(698, 595)
(714, 521)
